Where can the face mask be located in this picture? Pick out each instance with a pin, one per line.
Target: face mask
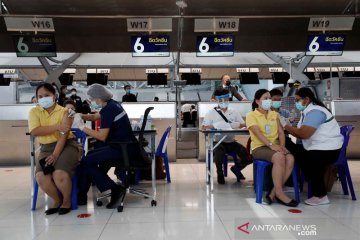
(299, 106)
(94, 105)
(46, 102)
(223, 105)
(73, 93)
(127, 91)
(276, 104)
(266, 104)
(227, 83)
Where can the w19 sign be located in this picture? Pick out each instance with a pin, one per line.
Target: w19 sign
(215, 46)
(31, 45)
(150, 46)
(325, 45)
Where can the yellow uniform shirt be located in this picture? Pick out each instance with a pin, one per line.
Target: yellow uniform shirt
(268, 126)
(38, 116)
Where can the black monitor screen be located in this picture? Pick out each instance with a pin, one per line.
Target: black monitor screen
(280, 77)
(310, 75)
(191, 78)
(4, 81)
(156, 79)
(351, 74)
(249, 78)
(66, 79)
(326, 75)
(96, 78)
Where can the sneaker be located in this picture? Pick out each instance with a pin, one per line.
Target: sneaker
(314, 201)
(238, 174)
(221, 179)
(116, 194)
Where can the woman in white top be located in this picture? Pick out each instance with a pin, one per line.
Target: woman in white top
(321, 142)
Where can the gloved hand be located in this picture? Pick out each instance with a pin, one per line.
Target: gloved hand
(71, 112)
(284, 121)
(235, 125)
(78, 122)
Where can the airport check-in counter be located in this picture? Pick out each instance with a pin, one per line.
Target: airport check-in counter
(347, 112)
(203, 107)
(14, 143)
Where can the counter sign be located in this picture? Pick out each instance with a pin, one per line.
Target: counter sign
(325, 45)
(150, 46)
(31, 45)
(215, 46)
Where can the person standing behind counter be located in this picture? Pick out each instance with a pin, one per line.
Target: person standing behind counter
(321, 142)
(226, 84)
(268, 143)
(128, 97)
(225, 116)
(51, 123)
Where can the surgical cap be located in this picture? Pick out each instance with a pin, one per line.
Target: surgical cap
(99, 91)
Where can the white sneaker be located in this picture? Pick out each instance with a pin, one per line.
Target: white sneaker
(288, 189)
(314, 201)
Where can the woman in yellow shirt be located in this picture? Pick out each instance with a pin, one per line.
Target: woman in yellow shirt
(51, 123)
(268, 143)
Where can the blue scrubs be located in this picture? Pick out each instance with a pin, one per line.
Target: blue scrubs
(96, 164)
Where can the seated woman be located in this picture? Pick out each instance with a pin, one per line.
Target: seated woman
(268, 143)
(321, 142)
(51, 123)
(115, 126)
(70, 104)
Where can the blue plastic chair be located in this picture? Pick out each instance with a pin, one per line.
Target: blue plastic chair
(259, 167)
(237, 167)
(161, 151)
(342, 165)
(81, 138)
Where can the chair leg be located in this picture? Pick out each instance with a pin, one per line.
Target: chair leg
(137, 177)
(225, 165)
(342, 177)
(260, 170)
(74, 191)
(351, 187)
(167, 168)
(309, 189)
(296, 184)
(34, 196)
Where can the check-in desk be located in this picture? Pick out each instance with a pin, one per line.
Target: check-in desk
(14, 143)
(203, 107)
(347, 112)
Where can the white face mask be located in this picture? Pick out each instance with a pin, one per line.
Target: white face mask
(73, 93)
(224, 104)
(46, 102)
(266, 104)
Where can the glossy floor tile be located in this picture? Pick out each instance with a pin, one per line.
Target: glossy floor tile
(186, 209)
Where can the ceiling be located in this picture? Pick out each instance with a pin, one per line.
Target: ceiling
(100, 25)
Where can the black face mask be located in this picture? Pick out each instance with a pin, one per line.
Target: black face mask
(227, 83)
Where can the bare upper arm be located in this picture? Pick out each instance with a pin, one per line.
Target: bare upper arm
(306, 131)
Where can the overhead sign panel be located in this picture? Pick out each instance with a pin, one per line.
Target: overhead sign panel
(325, 45)
(150, 46)
(215, 46)
(29, 24)
(149, 24)
(31, 45)
(331, 24)
(216, 25)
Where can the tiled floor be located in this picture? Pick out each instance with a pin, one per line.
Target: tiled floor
(185, 210)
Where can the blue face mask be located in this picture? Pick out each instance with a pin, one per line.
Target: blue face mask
(299, 106)
(276, 104)
(266, 104)
(128, 91)
(95, 106)
(46, 102)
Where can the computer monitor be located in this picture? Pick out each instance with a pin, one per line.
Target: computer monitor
(326, 75)
(156, 79)
(351, 74)
(66, 79)
(4, 81)
(191, 78)
(280, 77)
(249, 78)
(99, 78)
